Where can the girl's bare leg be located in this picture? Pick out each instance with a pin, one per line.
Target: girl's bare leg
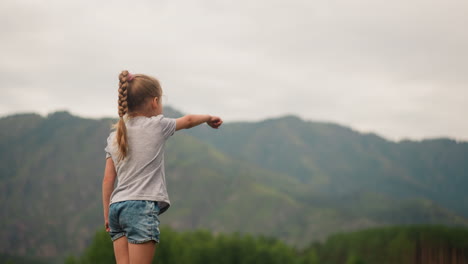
(141, 253)
(121, 250)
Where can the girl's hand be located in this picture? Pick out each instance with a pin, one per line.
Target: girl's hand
(106, 224)
(214, 122)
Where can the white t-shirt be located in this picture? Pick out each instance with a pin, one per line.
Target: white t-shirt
(140, 176)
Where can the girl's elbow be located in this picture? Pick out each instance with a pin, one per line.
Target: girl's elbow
(190, 122)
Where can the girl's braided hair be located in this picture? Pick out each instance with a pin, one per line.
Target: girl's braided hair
(123, 109)
(134, 90)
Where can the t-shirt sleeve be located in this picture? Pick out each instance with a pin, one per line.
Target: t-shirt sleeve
(168, 126)
(107, 149)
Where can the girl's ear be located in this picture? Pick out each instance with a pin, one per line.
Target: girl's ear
(154, 102)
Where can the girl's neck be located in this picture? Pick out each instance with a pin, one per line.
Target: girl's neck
(141, 115)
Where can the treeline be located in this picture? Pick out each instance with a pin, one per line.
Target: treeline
(398, 244)
(401, 244)
(202, 246)
(10, 259)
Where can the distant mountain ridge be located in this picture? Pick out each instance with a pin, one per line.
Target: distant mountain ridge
(293, 179)
(339, 160)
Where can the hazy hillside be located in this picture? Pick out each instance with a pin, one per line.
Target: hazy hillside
(335, 160)
(296, 180)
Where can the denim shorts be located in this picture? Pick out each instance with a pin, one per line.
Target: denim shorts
(137, 220)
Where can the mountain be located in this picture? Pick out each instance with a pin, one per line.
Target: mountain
(335, 160)
(293, 179)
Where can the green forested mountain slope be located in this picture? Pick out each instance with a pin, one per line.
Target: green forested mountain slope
(335, 160)
(281, 177)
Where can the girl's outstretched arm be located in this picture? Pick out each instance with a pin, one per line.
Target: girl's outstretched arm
(190, 121)
(107, 188)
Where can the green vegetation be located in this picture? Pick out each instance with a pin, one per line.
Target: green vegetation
(398, 244)
(8, 259)
(286, 178)
(402, 245)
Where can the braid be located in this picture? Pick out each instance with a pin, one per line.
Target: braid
(123, 110)
(123, 85)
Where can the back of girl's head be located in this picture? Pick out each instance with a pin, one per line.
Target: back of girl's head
(134, 93)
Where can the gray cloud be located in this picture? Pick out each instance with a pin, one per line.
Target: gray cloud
(396, 68)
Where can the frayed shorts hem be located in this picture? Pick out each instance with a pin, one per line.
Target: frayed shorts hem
(143, 241)
(115, 237)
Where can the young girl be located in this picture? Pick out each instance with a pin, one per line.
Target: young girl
(135, 157)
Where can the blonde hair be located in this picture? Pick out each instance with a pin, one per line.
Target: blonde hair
(134, 91)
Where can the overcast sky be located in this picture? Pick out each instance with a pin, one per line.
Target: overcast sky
(397, 68)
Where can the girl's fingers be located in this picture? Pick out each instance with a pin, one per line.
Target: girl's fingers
(216, 122)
